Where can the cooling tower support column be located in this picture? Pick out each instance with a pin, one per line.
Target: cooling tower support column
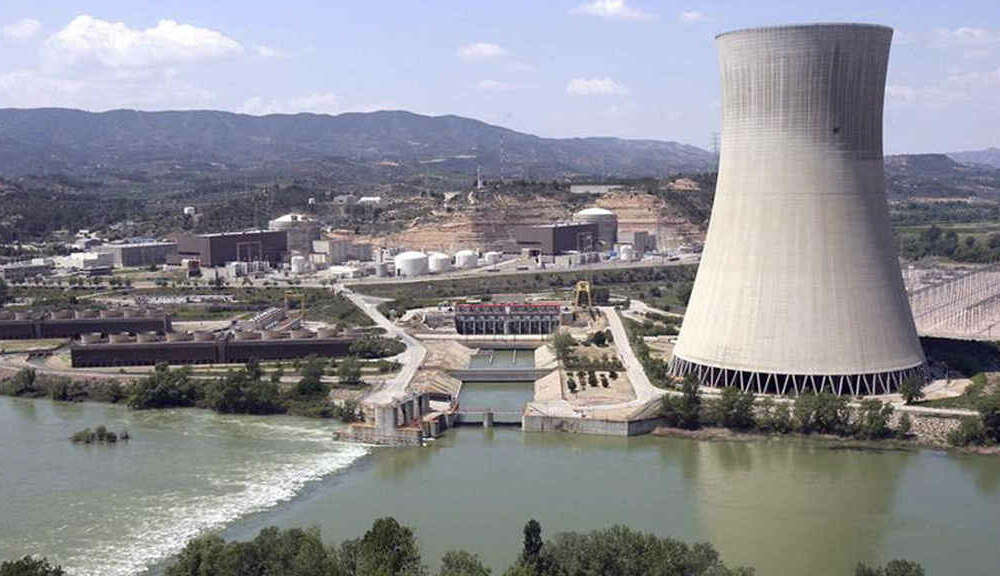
(799, 287)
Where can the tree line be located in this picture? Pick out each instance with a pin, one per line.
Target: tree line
(391, 549)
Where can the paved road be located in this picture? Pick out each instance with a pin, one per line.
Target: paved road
(644, 389)
(395, 388)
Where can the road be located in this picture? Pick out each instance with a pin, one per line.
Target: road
(644, 389)
(397, 387)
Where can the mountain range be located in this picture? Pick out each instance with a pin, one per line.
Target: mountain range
(358, 145)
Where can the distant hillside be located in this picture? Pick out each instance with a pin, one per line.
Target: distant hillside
(986, 157)
(355, 147)
(939, 176)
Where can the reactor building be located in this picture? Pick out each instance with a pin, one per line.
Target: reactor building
(799, 287)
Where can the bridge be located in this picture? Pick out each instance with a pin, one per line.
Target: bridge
(964, 306)
(500, 375)
(487, 417)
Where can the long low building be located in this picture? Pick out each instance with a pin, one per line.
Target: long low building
(507, 318)
(140, 254)
(24, 326)
(225, 350)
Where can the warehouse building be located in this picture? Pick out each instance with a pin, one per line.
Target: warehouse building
(506, 318)
(212, 250)
(21, 271)
(140, 254)
(557, 238)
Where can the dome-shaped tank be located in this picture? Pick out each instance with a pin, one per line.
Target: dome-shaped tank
(438, 262)
(492, 258)
(466, 259)
(178, 336)
(411, 264)
(607, 224)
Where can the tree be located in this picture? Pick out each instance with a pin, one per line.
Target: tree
(29, 566)
(165, 388)
(311, 383)
(911, 389)
(689, 409)
(893, 568)
(969, 431)
(824, 413)
(989, 412)
(462, 563)
(904, 426)
(562, 344)
(599, 339)
(873, 420)
(388, 549)
(571, 384)
(734, 409)
(532, 546)
(349, 371)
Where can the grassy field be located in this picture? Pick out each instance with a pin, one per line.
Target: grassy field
(30, 345)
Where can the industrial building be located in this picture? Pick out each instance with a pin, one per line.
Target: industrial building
(799, 287)
(27, 325)
(339, 251)
(557, 238)
(139, 254)
(301, 230)
(507, 318)
(180, 348)
(269, 246)
(21, 271)
(607, 224)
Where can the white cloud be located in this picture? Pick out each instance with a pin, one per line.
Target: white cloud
(88, 40)
(966, 36)
(691, 16)
(23, 29)
(612, 10)
(481, 51)
(495, 86)
(595, 86)
(315, 103)
(956, 88)
(268, 52)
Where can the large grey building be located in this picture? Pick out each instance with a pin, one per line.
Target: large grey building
(216, 249)
(140, 254)
(799, 287)
(557, 238)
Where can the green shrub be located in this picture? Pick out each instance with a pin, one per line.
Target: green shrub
(904, 426)
(911, 389)
(823, 413)
(873, 420)
(970, 431)
(733, 409)
(689, 408)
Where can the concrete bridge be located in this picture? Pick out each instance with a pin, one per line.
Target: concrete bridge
(487, 417)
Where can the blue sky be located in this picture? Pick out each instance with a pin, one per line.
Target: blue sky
(633, 68)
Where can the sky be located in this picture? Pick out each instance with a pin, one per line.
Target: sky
(625, 68)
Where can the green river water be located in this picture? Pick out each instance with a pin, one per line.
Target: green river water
(783, 506)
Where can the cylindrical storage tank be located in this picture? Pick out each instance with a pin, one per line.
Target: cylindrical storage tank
(178, 336)
(627, 253)
(146, 337)
(92, 338)
(607, 224)
(438, 262)
(299, 265)
(247, 335)
(492, 258)
(203, 336)
(324, 333)
(411, 264)
(301, 334)
(120, 338)
(799, 287)
(466, 259)
(381, 269)
(62, 314)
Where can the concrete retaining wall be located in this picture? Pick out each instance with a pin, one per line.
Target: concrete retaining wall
(536, 423)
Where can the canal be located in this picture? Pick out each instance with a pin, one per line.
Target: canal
(782, 506)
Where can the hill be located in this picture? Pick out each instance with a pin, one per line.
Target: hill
(160, 147)
(986, 157)
(939, 176)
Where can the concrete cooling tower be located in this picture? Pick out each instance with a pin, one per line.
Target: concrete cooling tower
(799, 287)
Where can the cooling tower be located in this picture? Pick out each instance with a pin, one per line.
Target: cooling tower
(799, 287)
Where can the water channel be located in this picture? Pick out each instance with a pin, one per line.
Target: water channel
(784, 506)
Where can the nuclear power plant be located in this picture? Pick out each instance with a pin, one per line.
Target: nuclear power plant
(799, 287)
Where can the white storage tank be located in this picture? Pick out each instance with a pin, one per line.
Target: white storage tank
(438, 262)
(492, 258)
(607, 224)
(299, 265)
(411, 264)
(466, 259)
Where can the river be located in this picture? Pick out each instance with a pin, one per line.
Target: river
(782, 506)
